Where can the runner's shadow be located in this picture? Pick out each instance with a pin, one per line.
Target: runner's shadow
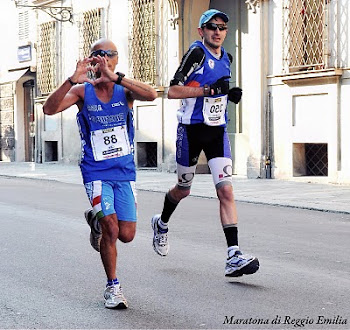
(247, 285)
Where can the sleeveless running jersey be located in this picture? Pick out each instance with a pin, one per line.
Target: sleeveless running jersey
(191, 111)
(107, 137)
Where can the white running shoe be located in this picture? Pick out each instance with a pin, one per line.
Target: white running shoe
(238, 264)
(96, 233)
(160, 239)
(114, 297)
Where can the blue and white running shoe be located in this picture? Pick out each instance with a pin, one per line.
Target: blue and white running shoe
(114, 297)
(238, 264)
(160, 239)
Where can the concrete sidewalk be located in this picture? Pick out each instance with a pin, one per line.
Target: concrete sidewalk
(306, 195)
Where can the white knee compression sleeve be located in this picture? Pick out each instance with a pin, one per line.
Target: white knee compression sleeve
(185, 176)
(221, 170)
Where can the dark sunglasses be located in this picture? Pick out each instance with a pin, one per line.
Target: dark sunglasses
(214, 26)
(101, 52)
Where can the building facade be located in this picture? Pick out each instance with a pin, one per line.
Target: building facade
(290, 57)
(307, 84)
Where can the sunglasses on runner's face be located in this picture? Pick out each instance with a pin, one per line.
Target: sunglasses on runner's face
(101, 52)
(214, 26)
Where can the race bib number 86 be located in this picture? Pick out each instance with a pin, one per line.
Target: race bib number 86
(110, 143)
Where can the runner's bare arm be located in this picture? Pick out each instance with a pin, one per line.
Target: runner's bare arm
(66, 95)
(183, 92)
(62, 98)
(138, 90)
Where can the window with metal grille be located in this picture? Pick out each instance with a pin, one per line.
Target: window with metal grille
(90, 30)
(305, 35)
(310, 159)
(142, 40)
(47, 58)
(316, 155)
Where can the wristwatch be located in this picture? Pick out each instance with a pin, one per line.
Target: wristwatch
(206, 90)
(71, 81)
(120, 78)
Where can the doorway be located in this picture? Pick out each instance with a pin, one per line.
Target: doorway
(29, 121)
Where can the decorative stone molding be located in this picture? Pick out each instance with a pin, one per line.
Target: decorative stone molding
(253, 4)
(174, 13)
(321, 77)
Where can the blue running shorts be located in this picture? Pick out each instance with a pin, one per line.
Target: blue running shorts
(108, 197)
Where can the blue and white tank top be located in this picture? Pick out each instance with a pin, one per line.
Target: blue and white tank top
(193, 110)
(107, 137)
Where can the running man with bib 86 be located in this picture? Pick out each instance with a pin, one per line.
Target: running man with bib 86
(107, 165)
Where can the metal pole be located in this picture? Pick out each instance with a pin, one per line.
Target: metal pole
(268, 139)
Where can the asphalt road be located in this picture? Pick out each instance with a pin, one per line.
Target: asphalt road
(50, 277)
